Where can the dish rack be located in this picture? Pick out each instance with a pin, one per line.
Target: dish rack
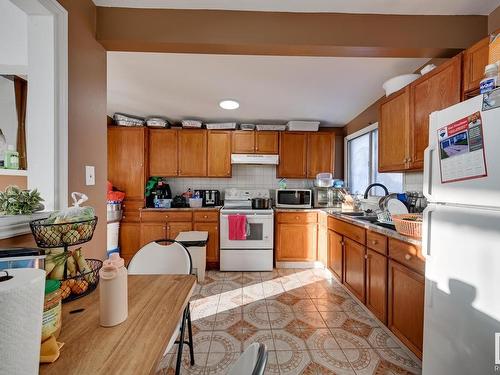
(384, 217)
(408, 224)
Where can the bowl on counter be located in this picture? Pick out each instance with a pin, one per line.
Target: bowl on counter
(195, 202)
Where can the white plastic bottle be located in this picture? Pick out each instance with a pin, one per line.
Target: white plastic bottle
(113, 294)
(490, 80)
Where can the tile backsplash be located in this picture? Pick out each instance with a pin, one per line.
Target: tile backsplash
(264, 177)
(413, 181)
(244, 176)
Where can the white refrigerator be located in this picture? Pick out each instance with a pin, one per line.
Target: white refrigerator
(461, 241)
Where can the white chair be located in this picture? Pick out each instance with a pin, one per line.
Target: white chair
(252, 362)
(167, 257)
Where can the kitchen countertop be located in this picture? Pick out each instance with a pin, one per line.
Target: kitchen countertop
(215, 208)
(361, 223)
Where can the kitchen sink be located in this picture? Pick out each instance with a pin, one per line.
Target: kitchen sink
(353, 213)
(371, 219)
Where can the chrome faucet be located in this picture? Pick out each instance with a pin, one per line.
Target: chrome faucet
(373, 185)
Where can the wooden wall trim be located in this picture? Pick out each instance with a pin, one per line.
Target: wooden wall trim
(293, 34)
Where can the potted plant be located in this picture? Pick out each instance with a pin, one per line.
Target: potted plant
(16, 201)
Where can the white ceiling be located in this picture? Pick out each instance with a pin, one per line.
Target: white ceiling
(444, 7)
(269, 88)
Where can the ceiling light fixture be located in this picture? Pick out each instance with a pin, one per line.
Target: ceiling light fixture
(229, 104)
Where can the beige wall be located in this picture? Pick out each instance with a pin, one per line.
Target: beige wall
(87, 113)
(494, 20)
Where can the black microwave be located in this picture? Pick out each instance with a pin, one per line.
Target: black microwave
(293, 198)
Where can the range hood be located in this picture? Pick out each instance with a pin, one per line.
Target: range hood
(254, 159)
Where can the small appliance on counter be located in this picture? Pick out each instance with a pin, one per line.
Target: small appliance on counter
(158, 193)
(22, 257)
(211, 198)
(293, 198)
(327, 197)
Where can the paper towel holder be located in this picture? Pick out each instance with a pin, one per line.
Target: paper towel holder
(6, 276)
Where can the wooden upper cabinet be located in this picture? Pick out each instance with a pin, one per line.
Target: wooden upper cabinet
(394, 132)
(436, 90)
(354, 268)
(475, 60)
(243, 142)
(163, 148)
(192, 153)
(266, 142)
(255, 142)
(127, 156)
(320, 151)
(293, 155)
(219, 153)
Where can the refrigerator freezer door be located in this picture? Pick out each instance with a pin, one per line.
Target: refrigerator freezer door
(462, 293)
(484, 191)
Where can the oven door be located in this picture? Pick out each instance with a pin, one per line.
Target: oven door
(260, 234)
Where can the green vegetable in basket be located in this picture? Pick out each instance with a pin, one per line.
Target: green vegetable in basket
(16, 201)
(71, 266)
(83, 266)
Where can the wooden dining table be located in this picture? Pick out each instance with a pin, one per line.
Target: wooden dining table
(155, 306)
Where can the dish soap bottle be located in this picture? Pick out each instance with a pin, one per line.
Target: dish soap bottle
(11, 158)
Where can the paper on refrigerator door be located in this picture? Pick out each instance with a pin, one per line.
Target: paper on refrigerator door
(461, 149)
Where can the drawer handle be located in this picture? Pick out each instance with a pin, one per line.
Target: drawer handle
(166, 216)
(374, 242)
(296, 218)
(408, 257)
(205, 216)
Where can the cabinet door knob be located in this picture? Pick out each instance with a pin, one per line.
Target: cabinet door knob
(342, 243)
(366, 256)
(374, 242)
(408, 257)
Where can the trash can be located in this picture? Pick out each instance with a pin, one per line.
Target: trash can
(196, 243)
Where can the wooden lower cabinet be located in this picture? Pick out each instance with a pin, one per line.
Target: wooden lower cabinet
(296, 242)
(152, 231)
(129, 240)
(322, 239)
(335, 253)
(213, 239)
(174, 228)
(376, 284)
(354, 268)
(406, 306)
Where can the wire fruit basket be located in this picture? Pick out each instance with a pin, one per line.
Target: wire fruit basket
(80, 285)
(408, 224)
(62, 235)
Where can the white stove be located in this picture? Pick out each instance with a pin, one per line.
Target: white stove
(255, 252)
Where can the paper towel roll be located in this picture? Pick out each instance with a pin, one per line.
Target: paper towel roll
(21, 310)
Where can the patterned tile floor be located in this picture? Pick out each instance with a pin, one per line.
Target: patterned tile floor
(309, 323)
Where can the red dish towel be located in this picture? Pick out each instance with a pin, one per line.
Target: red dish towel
(237, 227)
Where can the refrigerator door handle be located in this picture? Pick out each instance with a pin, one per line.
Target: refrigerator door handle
(428, 153)
(426, 231)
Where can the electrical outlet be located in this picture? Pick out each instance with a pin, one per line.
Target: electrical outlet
(89, 175)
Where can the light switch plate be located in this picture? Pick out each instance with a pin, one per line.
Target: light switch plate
(89, 175)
